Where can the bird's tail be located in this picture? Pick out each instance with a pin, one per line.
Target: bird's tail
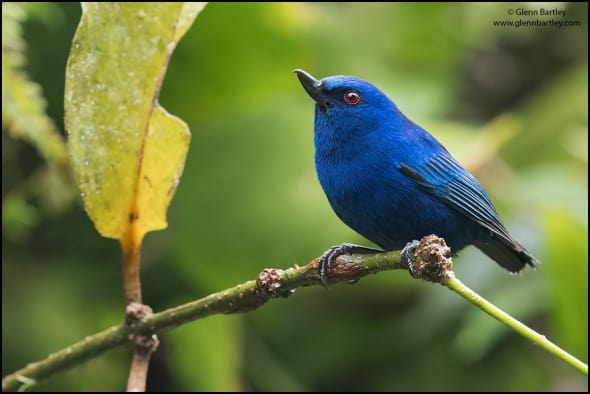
(510, 255)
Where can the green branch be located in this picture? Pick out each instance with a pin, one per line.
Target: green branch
(429, 260)
(458, 287)
(271, 283)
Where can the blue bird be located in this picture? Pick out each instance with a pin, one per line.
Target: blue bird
(393, 182)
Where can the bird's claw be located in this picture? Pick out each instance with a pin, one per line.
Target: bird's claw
(327, 260)
(407, 257)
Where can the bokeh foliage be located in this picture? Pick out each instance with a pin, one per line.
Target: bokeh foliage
(510, 103)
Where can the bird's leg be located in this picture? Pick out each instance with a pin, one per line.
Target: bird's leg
(327, 259)
(407, 257)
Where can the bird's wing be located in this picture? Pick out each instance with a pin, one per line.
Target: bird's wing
(444, 177)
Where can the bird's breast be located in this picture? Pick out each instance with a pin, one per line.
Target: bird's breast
(369, 193)
(363, 188)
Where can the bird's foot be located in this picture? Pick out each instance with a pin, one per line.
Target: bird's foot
(326, 261)
(407, 258)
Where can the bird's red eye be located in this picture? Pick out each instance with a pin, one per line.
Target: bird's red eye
(352, 98)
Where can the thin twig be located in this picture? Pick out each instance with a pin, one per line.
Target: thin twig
(431, 263)
(271, 283)
(143, 346)
(458, 287)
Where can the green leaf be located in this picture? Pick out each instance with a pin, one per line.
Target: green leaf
(18, 218)
(23, 104)
(127, 152)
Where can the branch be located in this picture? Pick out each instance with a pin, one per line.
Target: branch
(143, 347)
(271, 283)
(458, 287)
(431, 262)
(428, 260)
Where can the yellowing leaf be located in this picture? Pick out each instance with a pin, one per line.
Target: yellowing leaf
(127, 152)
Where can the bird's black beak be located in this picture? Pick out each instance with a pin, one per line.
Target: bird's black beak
(313, 87)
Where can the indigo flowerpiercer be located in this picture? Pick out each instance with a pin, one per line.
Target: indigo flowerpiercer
(393, 182)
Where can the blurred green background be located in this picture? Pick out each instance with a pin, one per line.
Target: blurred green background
(510, 103)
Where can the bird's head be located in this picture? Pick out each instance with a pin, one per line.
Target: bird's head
(349, 103)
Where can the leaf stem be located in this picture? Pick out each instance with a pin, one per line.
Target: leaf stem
(131, 250)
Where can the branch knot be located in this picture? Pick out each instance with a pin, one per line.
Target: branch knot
(269, 283)
(432, 260)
